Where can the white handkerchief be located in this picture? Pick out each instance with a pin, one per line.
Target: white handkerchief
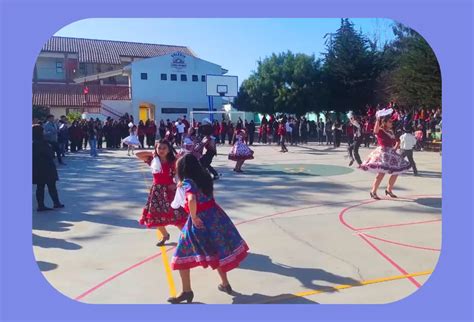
(155, 165)
(179, 198)
(384, 112)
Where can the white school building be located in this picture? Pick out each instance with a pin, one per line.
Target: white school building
(170, 86)
(103, 78)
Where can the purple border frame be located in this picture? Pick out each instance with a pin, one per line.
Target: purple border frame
(25, 25)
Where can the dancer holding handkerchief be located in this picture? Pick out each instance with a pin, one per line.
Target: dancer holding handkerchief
(158, 211)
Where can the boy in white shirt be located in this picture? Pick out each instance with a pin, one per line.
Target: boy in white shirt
(407, 144)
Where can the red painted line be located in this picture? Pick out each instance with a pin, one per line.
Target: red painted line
(240, 223)
(398, 225)
(341, 214)
(111, 278)
(93, 289)
(361, 235)
(285, 212)
(401, 244)
(391, 261)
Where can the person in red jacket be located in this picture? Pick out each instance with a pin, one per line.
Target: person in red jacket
(282, 133)
(223, 131)
(216, 131)
(186, 124)
(141, 133)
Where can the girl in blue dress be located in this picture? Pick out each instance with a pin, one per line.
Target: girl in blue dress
(209, 238)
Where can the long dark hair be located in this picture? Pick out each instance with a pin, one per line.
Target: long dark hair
(188, 167)
(171, 156)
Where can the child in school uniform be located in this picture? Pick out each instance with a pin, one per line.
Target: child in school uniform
(407, 144)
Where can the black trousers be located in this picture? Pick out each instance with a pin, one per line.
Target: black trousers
(206, 161)
(53, 193)
(141, 139)
(55, 146)
(354, 150)
(86, 140)
(409, 155)
(179, 139)
(251, 138)
(337, 139)
(282, 143)
(367, 140)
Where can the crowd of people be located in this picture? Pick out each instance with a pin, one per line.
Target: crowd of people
(182, 192)
(334, 130)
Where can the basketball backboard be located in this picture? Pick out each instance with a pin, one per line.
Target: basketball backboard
(220, 85)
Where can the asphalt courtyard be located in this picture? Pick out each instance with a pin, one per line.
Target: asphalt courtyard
(314, 234)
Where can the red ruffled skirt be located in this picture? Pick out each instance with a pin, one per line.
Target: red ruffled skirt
(158, 212)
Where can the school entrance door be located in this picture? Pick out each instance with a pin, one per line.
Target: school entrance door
(146, 112)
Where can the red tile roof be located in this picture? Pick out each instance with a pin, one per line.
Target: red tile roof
(109, 51)
(72, 95)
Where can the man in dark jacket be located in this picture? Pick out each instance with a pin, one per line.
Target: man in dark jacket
(44, 169)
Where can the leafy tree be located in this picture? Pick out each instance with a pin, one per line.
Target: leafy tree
(415, 76)
(73, 116)
(351, 67)
(40, 112)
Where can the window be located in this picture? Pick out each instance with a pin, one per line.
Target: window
(144, 76)
(174, 77)
(184, 78)
(164, 76)
(59, 67)
(82, 69)
(183, 111)
(203, 78)
(195, 78)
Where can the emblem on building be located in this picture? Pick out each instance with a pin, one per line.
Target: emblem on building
(178, 61)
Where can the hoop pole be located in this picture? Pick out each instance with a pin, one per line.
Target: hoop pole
(211, 103)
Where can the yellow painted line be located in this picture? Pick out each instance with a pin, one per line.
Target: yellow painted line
(167, 266)
(164, 256)
(342, 287)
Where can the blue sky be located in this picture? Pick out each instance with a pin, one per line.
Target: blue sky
(235, 44)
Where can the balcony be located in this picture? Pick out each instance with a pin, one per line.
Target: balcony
(73, 95)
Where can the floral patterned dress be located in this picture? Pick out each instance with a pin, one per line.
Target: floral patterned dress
(240, 150)
(384, 159)
(158, 211)
(218, 244)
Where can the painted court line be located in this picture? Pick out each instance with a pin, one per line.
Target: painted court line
(401, 244)
(346, 286)
(113, 277)
(398, 225)
(164, 256)
(391, 261)
(372, 245)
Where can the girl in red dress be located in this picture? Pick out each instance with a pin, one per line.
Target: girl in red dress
(385, 159)
(158, 211)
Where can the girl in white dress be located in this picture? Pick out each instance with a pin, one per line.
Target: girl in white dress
(132, 140)
(240, 151)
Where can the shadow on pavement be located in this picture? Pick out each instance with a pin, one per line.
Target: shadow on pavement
(266, 299)
(45, 266)
(306, 276)
(47, 242)
(429, 202)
